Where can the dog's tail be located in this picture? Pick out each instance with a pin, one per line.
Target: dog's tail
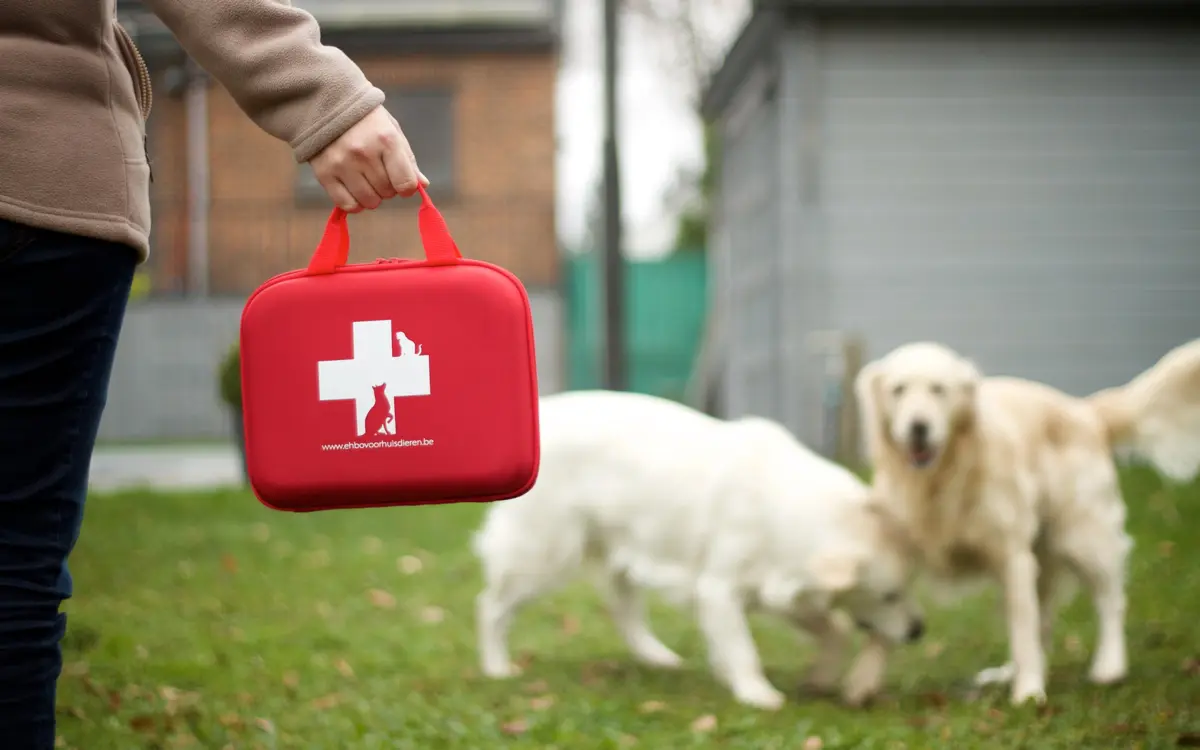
(1156, 416)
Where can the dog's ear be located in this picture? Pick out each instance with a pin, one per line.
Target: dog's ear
(868, 390)
(970, 375)
(969, 379)
(835, 571)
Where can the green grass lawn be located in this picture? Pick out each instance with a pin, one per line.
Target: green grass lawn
(207, 621)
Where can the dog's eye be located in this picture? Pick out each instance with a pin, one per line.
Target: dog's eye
(898, 390)
(891, 597)
(937, 389)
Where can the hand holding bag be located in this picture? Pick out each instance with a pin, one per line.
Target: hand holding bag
(397, 382)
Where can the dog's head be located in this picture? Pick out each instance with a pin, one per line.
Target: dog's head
(916, 399)
(872, 581)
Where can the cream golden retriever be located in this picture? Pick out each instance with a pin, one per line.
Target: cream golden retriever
(1011, 479)
(723, 517)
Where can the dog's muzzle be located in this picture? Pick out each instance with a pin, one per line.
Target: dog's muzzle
(920, 451)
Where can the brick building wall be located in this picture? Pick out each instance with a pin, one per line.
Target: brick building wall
(501, 208)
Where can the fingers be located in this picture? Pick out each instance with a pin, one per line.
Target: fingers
(340, 196)
(357, 182)
(374, 166)
(413, 160)
(351, 192)
(377, 177)
(369, 163)
(357, 187)
(400, 170)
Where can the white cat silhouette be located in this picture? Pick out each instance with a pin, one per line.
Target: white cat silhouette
(406, 344)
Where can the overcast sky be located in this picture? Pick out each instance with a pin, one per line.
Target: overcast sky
(658, 132)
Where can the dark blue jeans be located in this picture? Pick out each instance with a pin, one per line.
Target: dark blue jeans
(62, 299)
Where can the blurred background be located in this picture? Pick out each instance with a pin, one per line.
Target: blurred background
(805, 185)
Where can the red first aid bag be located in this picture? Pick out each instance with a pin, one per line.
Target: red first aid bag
(398, 382)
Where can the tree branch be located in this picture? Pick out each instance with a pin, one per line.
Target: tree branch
(693, 47)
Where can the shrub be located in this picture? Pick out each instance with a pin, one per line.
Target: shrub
(230, 378)
(141, 286)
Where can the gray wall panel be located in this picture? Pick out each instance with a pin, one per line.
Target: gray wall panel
(1030, 196)
(749, 215)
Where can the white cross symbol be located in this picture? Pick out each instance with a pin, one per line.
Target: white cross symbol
(373, 365)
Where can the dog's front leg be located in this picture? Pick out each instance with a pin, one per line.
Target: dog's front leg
(865, 678)
(833, 637)
(731, 649)
(1024, 630)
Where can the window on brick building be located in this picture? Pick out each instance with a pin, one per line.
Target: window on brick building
(426, 115)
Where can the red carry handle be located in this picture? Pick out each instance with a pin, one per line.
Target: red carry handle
(334, 248)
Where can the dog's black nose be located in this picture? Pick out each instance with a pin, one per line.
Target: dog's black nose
(916, 630)
(919, 431)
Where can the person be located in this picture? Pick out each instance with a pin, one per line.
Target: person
(75, 222)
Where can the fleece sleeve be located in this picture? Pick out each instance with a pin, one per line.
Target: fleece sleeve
(269, 56)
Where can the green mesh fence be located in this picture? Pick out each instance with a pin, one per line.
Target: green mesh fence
(667, 300)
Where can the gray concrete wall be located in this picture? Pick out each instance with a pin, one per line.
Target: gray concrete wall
(164, 381)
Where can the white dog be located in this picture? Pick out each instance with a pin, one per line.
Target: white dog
(723, 516)
(1015, 480)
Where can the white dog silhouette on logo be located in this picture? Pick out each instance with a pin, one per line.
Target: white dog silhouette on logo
(406, 344)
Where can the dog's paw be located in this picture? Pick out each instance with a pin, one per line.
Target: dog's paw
(1001, 675)
(660, 658)
(858, 697)
(1108, 669)
(858, 693)
(501, 670)
(762, 696)
(865, 678)
(1023, 694)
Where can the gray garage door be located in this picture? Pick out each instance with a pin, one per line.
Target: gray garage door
(1027, 194)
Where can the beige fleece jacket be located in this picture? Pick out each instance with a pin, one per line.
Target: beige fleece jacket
(74, 93)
